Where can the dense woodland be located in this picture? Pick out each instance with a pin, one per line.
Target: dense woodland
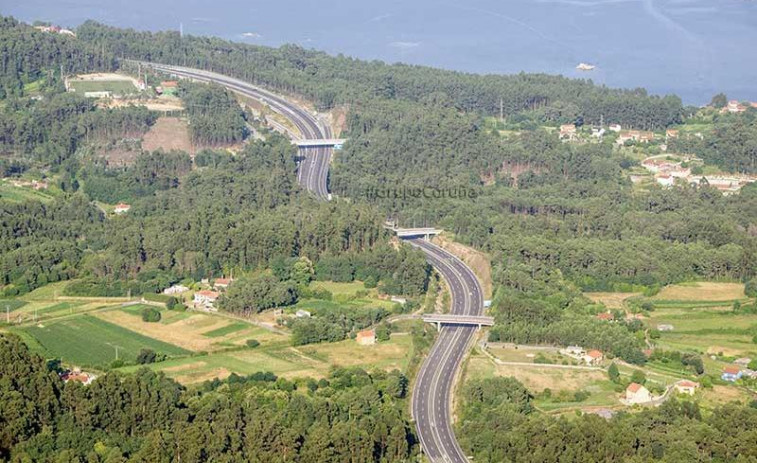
(556, 218)
(145, 417)
(499, 423)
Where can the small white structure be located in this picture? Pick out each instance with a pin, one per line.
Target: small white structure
(121, 208)
(685, 386)
(593, 357)
(615, 128)
(664, 327)
(666, 179)
(175, 289)
(302, 314)
(399, 300)
(637, 394)
(221, 283)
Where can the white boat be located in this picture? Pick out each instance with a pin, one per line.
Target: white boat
(585, 67)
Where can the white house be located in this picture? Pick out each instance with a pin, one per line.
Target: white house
(175, 289)
(121, 208)
(302, 314)
(205, 300)
(637, 394)
(685, 386)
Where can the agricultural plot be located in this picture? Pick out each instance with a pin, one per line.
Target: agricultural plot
(88, 341)
(115, 87)
(289, 362)
(189, 330)
(20, 194)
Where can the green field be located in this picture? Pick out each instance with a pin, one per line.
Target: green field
(120, 87)
(11, 304)
(12, 193)
(88, 341)
(313, 360)
(228, 329)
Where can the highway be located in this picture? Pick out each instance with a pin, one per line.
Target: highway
(432, 392)
(313, 165)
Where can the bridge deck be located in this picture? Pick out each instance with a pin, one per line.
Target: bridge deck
(450, 319)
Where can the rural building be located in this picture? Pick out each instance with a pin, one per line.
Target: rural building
(366, 337)
(686, 387)
(742, 362)
(121, 208)
(77, 375)
(576, 352)
(593, 357)
(568, 131)
(399, 300)
(639, 136)
(666, 179)
(205, 299)
(597, 132)
(664, 327)
(302, 314)
(175, 289)
(222, 283)
(637, 394)
(731, 373)
(168, 87)
(615, 128)
(735, 107)
(671, 133)
(606, 316)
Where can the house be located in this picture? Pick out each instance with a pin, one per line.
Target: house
(366, 337)
(685, 386)
(302, 314)
(77, 375)
(398, 300)
(639, 136)
(141, 85)
(67, 32)
(615, 128)
(597, 132)
(731, 373)
(664, 327)
(665, 179)
(593, 357)
(568, 131)
(121, 208)
(576, 352)
(175, 289)
(734, 106)
(221, 283)
(671, 133)
(606, 316)
(742, 362)
(637, 394)
(205, 300)
(168, 87)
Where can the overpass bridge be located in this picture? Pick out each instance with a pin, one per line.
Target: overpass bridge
(425, 232)
(335, 143)
(455, 319)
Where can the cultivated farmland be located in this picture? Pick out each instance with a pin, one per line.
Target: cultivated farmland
(88, 341)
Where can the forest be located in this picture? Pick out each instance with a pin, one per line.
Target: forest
(352, 415)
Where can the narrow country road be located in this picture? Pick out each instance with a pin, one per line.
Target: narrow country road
(432, 393)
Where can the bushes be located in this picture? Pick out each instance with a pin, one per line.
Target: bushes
(252, 343)
(150, 315)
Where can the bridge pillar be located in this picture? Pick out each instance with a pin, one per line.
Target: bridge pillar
(438, 326)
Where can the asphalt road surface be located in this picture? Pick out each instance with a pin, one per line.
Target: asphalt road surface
(313, 165)
(432, 393)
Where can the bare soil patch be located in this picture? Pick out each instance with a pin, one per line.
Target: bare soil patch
(611, 300)
(167, 134)
(702, 291)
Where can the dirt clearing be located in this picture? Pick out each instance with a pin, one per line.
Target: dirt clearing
(169, 133)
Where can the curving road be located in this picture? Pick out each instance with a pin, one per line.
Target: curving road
(313, 169)
(432, 393)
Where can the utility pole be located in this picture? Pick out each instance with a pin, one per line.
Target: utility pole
(501, 111)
